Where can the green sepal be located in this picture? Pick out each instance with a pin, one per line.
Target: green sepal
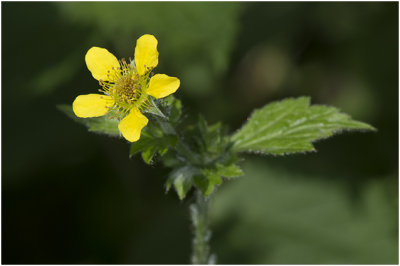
(170, 107)
(291, 126)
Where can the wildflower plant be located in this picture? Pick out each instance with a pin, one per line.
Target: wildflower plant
(137, 106)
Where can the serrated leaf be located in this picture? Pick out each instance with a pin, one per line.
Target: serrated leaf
(229, 171)
(212, 177)
(182, 180)
(290, 126)
(103, 124)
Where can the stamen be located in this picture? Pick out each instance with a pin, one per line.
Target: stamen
(127, 88)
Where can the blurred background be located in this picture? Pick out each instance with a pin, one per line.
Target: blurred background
(70, 196)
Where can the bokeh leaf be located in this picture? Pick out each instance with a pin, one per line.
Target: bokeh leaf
(278, 215)
(103, 124)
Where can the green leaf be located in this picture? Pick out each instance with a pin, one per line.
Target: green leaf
(142, 144)
(290, 126)
(182, 180)
(205, 186)
(212, 177)
(148, 154)
(229, 171)
(103, 124)
(150, 145)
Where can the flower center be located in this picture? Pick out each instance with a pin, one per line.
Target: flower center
(126, 89)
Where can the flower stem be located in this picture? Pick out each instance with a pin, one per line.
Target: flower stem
(201, 233)
(198, 209)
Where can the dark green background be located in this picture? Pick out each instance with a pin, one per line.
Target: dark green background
(70, 196)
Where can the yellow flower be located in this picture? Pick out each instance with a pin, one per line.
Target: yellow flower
(126, 86)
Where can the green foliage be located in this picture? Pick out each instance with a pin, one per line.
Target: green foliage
(277, 215)
(153, 140)
(203, 159)
(290, 126)
(202, 155)
(182, 180)
(102, 125)
(159, 135)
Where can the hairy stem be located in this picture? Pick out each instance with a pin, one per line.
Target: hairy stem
(198, 209)
(201, 233)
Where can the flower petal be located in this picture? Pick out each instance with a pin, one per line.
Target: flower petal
(131, 126)
(101, 63)
(146, 54)
(162, 85)
(92, 105)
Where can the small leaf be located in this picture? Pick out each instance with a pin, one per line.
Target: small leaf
(182, 180)
(202, 183)
(211, 179)
(103, 124)
(229, 171)
(150, 145)
(148, 154)
(290, 126)
(182, 186)
(142, 144)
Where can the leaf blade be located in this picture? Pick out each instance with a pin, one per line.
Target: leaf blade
(290, 126)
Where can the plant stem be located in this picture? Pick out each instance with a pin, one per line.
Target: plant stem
(201, 233)
(198, 209)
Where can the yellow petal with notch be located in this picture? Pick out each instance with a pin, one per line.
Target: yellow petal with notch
(102, 64)
(92, 105)
(162, 85)
(146, 54)
(131, 126)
